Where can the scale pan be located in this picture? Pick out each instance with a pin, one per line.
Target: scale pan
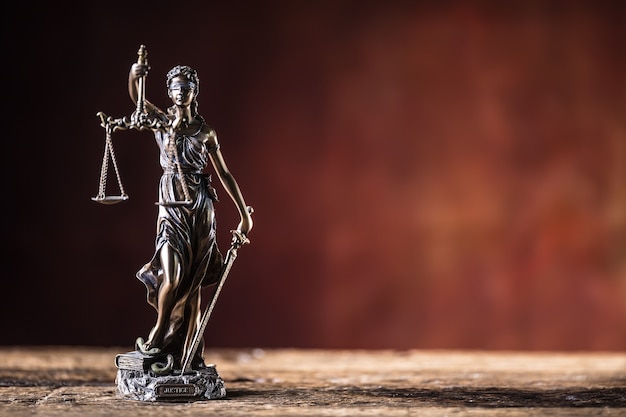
(174, 203)
(110, 199)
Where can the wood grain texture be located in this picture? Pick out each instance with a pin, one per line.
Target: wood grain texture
(78, 381)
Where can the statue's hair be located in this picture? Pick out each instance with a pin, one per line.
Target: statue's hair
(192, 76)
(186, 72)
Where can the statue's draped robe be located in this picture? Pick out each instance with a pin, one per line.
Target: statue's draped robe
(188, 229)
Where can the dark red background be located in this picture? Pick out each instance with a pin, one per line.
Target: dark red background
(424, 174)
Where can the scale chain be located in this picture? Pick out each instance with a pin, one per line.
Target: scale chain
(109, 152)
(114, 160)
(103, 171)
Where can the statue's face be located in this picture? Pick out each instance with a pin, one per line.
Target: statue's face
(181, 91)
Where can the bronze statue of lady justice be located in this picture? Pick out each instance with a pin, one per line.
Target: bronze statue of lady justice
(169, 364)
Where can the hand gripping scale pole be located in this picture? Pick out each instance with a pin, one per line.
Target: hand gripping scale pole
(238, 240)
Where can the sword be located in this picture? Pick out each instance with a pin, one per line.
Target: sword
(238, 240)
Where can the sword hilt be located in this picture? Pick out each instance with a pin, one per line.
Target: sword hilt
(239, 239)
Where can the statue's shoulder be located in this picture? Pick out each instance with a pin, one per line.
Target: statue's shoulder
(208, 130)
(210, 137)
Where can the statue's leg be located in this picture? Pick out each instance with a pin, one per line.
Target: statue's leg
(172, 269)
(193, 312)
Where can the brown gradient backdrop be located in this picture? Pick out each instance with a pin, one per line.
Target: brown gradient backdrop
(424, 174)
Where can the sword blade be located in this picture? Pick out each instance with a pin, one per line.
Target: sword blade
(231, 255)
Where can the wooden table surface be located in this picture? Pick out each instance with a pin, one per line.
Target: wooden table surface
(79, 381)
